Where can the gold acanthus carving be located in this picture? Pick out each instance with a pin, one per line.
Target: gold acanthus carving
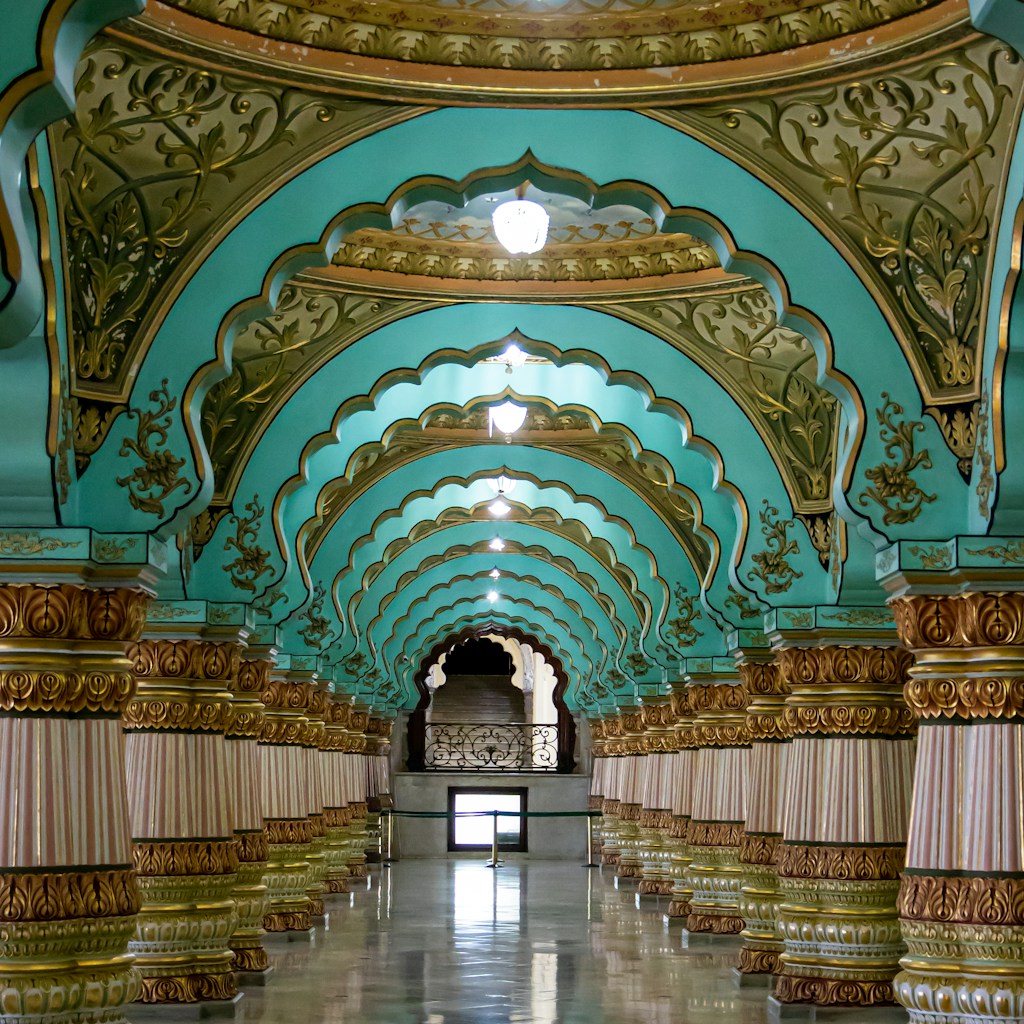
(198, 661)
(252, 847)
(283, 731)
(832, 991)
(280, 694)
(250, 562)
(992, 697)
(92, 692)
(67, 895)
(849, 720)
(772, 566)
(246, 721)
(253, 676)
(289, 831)
(185, 857)
(931, 624)
(568, 35)
(714, 833)
(714, 923)
(822, 667)
(758, 961)
(847, 863)
(180, 710)
(188, 988)
(898, 170)
(68, 612)
(972, 900)
(759, 848)
(711, 697)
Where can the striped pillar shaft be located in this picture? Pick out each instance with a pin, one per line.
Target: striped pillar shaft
(598, 783)
(243, 736)
(179, 797)
(68, 895)
(847, 799)
(313, 738)
(655, 807)
(282, 763)
(961, 900)
(336, 813)
(762, 833)
(615, 752)
(359, 721)
(630, 795)
(719, 807)
(683, 773)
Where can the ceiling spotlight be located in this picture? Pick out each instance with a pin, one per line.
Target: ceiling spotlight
(492, 596)
(521, 226)
(507, 417)
(502, 484)
(512, 356)
(499, 507)
(494, 574)
(497, 544)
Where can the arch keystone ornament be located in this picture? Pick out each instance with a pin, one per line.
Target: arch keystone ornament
(961, 899)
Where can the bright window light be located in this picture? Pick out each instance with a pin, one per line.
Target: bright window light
(507, 417)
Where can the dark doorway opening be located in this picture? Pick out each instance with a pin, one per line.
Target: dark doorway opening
(478, 657)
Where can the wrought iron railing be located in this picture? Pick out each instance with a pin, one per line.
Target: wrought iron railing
(490, 747)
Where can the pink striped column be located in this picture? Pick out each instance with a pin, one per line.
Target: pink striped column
(845, 823)
(762, 832)
(961, 899)
(719, 806)
(182, 825)
(312, 741)
(68, 894)
(355, 790)
(630, 794)
(243, 736)
(336, 812)
(614, 748)
(655, 799)
(283, 767)
(684, 771)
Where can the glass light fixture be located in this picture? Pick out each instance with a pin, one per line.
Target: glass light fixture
(513, 356)
(492, 596)
(502, 484)
(507, 417)
(521, 226)
(494, 573)
(499, 507)
(497, 544)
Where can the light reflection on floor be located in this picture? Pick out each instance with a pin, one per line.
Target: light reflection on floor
(453, 942)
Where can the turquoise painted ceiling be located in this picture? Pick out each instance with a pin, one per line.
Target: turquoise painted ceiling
(256, 310)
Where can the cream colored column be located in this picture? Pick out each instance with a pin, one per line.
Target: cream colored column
(847, 801)
(762, 833)
(312, 740)
(181, 817)
(961, 900)
(336, 812)
(615, 747)
(243, 736)
(631, 781)
(656, 807)
(69, 893)
(282, 760)
(598, 787)
(683, 773)
(359, 721)
(719, 805)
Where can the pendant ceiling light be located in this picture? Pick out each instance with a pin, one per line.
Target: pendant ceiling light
(497, 544)
(499, 507)
(513, 356)
(520, 225)
(492, 596)
(494, 573)
(502, 484)
(507, 417)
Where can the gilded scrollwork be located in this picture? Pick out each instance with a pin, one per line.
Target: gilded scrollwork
(742, 604)
(636, 661)
(251, 561)
(318, 626)
(159, 476)
(891, 485)
(900, 170)
(772, 565)
(681, 628)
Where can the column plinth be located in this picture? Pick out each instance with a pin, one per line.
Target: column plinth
(719, 807)
(961, 899)
(182, 829)
(68, 892)
(850, 772)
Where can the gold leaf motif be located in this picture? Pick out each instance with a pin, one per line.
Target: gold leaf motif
(160, 473)
(251, 562)
(28, 542)
(772, 564)
(891, 484)
(318, 626)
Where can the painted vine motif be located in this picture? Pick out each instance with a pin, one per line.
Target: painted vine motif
(681, 629)
(251, 561)
(636, 660)
(318, 626)
(892, 485)
(159, 476)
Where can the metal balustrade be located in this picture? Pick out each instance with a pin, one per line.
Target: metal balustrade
(490, 747)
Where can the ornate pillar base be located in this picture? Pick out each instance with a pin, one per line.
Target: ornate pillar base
(336, 844)
(251, 903)
(715, 878)
(680, 860)
(611, 826)
(759, 903)
(657, 879)
(287, 877)
(317, 860)
(630, 865)
(358, 839)
(187, 919)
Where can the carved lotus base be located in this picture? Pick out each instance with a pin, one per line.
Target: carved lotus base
(626, 870)
(758, 961)
(714, 923)
(357, 870)
(249, 958)
(654, 887)
(287, 920)
(335, 886)
(610, 859)
(678, 908)
(834, 991)
(188, 988)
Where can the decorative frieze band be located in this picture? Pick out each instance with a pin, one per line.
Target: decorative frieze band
(186, 857)
(846, 863)
(66, 895)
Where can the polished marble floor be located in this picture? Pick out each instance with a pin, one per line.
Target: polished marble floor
(453, 942)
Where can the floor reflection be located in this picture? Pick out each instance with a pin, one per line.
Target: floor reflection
(453, 942)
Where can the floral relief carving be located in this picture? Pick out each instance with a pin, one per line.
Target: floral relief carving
(251, 561)
(772, 566)
(892, 485)
(318, 626)
(160, 473)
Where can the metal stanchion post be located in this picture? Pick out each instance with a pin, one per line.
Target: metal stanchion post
(494, 862)
(590, 844)
(391, 837)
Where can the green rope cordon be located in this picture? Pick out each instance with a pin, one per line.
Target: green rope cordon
(491, 814)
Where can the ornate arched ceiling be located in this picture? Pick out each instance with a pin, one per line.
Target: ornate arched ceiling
(262, 319)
